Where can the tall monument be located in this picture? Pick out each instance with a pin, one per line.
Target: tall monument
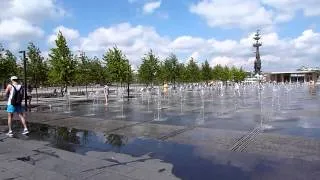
(257, 44)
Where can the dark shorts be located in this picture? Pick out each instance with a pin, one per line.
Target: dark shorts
(15, 109)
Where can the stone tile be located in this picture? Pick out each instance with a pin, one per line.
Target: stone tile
(142, 174)
(7, 174)
(153, 165)
(28, 171)
(209, 138)
(109, 175)
(114, 156)
(44, 117)
(148, 130)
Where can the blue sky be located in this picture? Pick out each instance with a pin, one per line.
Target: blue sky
(219, 31)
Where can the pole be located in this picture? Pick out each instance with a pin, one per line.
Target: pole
(25, 77)
(128, 79)
(87, 90)
(128, 86)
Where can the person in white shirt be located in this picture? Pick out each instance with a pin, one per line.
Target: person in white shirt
(11, 90)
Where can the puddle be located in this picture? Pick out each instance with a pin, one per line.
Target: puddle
(187, 164)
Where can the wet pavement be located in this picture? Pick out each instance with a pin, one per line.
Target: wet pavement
(282, 110)
(203, 135)
(188, 161)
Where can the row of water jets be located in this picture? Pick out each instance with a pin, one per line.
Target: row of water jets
(280, 95)
(237, 95)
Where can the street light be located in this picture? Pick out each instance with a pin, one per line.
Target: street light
(25, 76)
(128, 79)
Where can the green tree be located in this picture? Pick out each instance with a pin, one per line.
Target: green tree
(149, 68)
(242, 74)
(192, 71)
(171, 69)
(117, 65)
(98, 72)
(182, 73)
(8, 65)
(206, 72)
(217, 72)
(83, 71)
(238, 75)
(234, 74)
(36, 68)
(226, 74)
(62, 63)
(162, 75)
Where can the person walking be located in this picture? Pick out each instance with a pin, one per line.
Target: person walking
(106, 93)
(29, 96)
(15, 93)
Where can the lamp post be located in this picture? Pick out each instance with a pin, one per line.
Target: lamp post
(128, 79)
(25, 76)
(86, 81)
(2, 85)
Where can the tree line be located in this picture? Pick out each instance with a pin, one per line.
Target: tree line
(62, 68)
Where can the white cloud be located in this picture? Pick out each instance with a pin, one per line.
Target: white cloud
(135, 41)
(194, 55)
(18, 29)
(31, 10)
(71, 35)
(150, 7)
(252, 13)
(230, 13)
(186, 43)
(45, 55)
(309, 7)
(222, 60)
(20, 19)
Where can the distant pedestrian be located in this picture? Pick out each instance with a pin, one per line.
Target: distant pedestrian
(29, 96)
(165, 88)
(15, 93)
(236, 89)
(55, 92)
(106, 93)
(62, 90)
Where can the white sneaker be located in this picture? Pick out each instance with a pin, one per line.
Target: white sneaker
(10, 133)
(25, 131)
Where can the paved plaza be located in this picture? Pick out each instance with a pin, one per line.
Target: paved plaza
(221, 138)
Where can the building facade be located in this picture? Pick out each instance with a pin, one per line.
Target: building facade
(293, 76)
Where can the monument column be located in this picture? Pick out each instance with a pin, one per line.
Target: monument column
(257, 44)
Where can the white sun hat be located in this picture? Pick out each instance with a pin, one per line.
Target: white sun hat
(13, 78)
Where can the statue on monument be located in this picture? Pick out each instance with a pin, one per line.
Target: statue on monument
(257, 44)
(257, 65)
